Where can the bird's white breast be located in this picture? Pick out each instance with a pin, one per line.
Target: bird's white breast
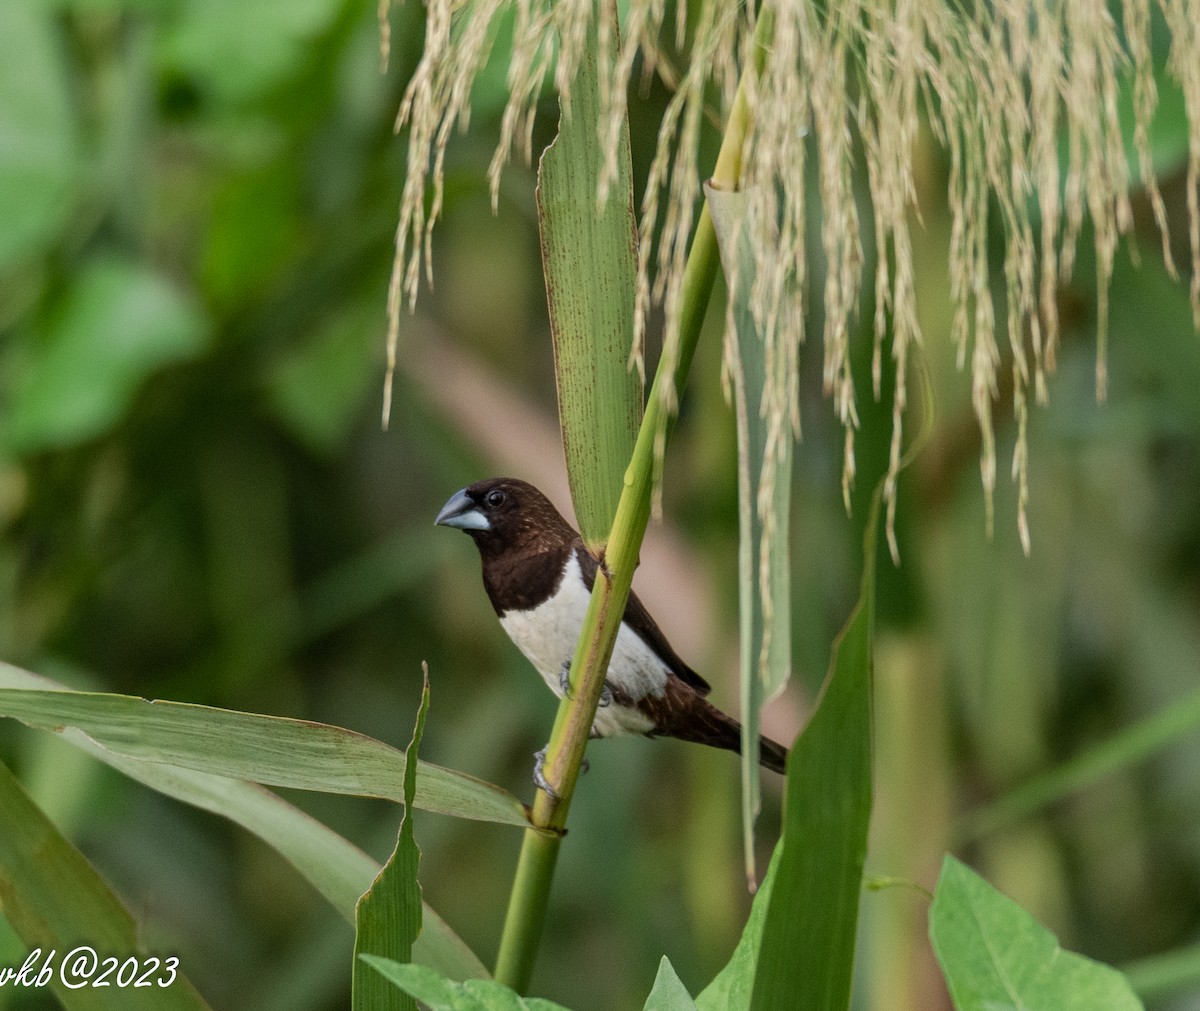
(547, 635)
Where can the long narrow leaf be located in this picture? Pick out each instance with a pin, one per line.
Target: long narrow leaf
(590, 262)
(764, 504)
(62, 910)
(262, 749)
(807, 954)
(337, 868)
(732, 987)
(387, 918)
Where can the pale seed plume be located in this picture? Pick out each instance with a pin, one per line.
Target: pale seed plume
(844, 90)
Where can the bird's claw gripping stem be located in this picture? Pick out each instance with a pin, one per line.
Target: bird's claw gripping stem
(539, 774)
(564, 682)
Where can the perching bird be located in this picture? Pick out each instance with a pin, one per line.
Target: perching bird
(538, 576)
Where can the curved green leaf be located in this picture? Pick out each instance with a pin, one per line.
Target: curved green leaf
(806, 959)
(730, 990)
(263, 749)
(55, 901)
(387, 919)
(335, 867)
(764, 561)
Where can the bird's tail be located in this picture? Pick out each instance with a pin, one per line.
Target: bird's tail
(706, 724)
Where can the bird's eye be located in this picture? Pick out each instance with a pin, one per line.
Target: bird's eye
(496, 498)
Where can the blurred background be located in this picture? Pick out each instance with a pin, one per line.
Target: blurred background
(197, 210)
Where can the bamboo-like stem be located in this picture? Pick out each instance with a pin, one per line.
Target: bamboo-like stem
(572, 726)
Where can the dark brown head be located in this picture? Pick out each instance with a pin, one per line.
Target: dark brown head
(504, 515)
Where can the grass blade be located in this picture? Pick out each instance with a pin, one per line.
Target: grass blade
(263, 749)
(590, 262)
(55, 900)
(807, 954)
(388, 916)
(730, 990)
(334, 866)
(764, 506)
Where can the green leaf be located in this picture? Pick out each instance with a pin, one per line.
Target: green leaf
(807, 955)
(590, 263)
(388, 916)
(337, 868)
(39, 148)
(55, 901)
(441, 994)
(730, 990)
(764, 504)
(668, 992)
(995, 956)
(118, 324)
(263, 749)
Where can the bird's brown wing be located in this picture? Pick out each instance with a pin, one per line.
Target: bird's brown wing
(639, 620)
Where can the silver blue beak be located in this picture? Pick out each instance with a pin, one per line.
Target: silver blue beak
(462, 512)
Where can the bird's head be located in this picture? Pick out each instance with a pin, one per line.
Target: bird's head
(505, 514)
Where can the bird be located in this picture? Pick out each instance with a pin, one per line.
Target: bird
(538, 575)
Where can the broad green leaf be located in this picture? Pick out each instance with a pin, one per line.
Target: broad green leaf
(263, 749)
(118, 324)
(387, 919)
(39, 148)
(55, 901)
(668, 992)
(441, 994)
(806, 959)
(995, 956)
(338, 869)
(730, 990)
(590, 263)
(764, 503)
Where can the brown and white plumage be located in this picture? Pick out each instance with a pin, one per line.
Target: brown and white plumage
(539, 576)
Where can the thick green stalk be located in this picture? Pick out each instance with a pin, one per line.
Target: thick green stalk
(564, 754)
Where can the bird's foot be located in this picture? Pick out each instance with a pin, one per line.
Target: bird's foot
(564, 683)
(539, 776)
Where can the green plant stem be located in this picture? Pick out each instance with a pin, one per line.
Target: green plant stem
(564, 754)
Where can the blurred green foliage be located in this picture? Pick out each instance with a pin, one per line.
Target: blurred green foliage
(197, 208)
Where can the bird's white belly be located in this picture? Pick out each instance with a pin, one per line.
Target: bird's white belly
(547, 635)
